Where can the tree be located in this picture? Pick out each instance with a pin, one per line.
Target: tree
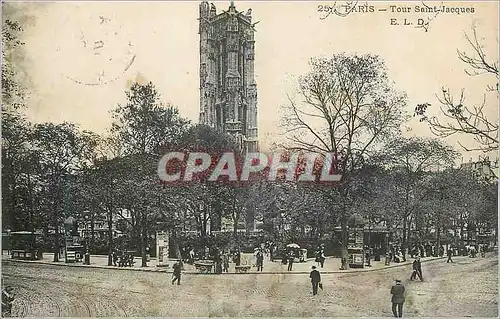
(349, 109)
(141, 130)
(18, 172)
(206, 201)
(411, 160)
(457, 117)
(62, 151)
(18, 164)
(13, 76)
(99, 193)
(144, 125)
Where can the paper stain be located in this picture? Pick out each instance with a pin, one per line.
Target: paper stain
(139, 78)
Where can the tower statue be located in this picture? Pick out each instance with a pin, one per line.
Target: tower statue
(228, 92)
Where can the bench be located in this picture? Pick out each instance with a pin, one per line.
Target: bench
(204, 268)
(242, 269)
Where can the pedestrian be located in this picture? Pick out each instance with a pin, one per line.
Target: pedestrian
(417, 270)
(114, 257)
(398, 298)
(483, 251)
(388, 256)
(225, 263)
(260, 261)
(218, 262)
(237, 258)
(322, 258)
(472, 252)
(290, 260)
(177, 273)
(315, 280)
(449, 253)
(191, 256)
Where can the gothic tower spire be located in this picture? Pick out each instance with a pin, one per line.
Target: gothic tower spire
(228, 92)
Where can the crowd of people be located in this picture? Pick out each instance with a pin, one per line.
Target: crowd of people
(122, 258)
(395, 253)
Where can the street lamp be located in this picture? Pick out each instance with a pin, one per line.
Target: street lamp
(86, 232)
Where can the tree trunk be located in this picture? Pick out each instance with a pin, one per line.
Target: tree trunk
(110, 239)
(204, 222)
(144, 262)
(177, 247)
(404, 241)
(461, 230)
(31, 207)
(235, 226)
(387, 247)
(345, 235)
(56, 227)
(92, 234)
(56, 238)
(438, 239)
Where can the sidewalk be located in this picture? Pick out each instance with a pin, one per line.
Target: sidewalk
(331, 265)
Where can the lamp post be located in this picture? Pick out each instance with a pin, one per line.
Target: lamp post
(86, 232)
(86, 238)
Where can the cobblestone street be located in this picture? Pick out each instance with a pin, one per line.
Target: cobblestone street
(467, 287)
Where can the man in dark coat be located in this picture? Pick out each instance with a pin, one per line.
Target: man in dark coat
(177, 273)
(291, 257)
(225, 263)
(315, 279)
(260, 261)
(417, 270)
(449, 253)
(398, 298)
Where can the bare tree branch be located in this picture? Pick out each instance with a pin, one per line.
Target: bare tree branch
(457, 118)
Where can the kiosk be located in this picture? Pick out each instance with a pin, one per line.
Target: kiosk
(162, 246)
(73, 247)
(355, 244)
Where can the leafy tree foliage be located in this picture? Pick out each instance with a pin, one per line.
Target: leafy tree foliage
(144, 124)
(349, 108)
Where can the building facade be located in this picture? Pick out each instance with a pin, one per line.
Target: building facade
(483, 168)
(228, 91)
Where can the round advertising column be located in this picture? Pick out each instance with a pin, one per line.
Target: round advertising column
(355, 244)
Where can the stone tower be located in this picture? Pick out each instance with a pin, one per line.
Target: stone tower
(228, 92)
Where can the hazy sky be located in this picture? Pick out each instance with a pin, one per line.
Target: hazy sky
(163, 36)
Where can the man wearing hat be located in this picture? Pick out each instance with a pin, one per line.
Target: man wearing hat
(417, 269)
(315, 279)
(398, 298)
(176, 276)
